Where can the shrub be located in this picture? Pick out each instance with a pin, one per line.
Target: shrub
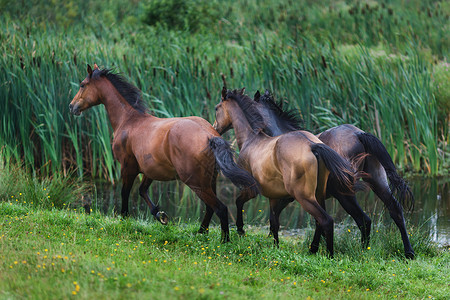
(192, 15)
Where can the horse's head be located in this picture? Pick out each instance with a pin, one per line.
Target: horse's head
(223, 121)
(87, 95)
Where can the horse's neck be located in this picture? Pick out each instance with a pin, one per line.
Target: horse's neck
(117, 107)
(242, 128)
(273, 125)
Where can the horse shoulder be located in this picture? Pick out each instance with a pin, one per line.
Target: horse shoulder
(261, 158)
(122, 151)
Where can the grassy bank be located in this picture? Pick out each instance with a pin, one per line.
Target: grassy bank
(382, 67)
(49, 248)
(65, 253)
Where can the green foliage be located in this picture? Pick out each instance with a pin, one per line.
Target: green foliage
(441, 88)
(191, 15)
(334, 61)
(64, 14)
(19, 186)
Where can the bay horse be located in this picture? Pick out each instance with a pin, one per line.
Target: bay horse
(351, 143)
(293, 165)
(162, 149)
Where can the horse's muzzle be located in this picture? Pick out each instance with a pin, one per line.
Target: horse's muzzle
(215, 125)
(74, 110)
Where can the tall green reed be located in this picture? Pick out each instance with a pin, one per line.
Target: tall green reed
(378, 88)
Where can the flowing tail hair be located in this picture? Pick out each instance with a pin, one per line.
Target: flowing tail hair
(224, 156)
(341, 171)
(398, 185)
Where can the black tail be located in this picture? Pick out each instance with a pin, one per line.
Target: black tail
(340, 169)
(225, 161)
(398, 185)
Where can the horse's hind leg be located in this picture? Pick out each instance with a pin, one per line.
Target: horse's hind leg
(204, 227)
(320, 197)
(325, 221)
(154, 209)
(316, 239)
(208, 196)
(380, 186)
(276, 207)
(243, 197)
(351, 206)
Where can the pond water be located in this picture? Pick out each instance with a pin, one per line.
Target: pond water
(431, 210)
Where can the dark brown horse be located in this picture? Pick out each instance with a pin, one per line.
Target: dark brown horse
(351, 143)
(166, 149)
(293, 165)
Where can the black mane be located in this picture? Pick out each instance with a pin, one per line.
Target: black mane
(248, 107)
(290, 117)
(128, 91)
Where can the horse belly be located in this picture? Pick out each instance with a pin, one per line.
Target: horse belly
(272, 187)
(157, 171)
(275, 193)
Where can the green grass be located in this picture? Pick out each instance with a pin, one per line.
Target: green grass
(49, 248)
(60, 253)
(18, 184)
(381, 66)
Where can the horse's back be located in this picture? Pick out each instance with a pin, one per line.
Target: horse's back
(188, 133)
(167, 148)
(191, 133)
(344, 140)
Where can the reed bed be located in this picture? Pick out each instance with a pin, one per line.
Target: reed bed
(365, 72)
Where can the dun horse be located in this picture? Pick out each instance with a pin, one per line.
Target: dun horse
(293, 165)
(350, 142)
(162, 149)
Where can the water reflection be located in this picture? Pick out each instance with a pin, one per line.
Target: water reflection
(432, 206)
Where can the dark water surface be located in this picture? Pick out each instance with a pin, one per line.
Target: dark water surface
(431, 211)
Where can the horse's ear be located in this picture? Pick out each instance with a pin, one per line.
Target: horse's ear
(241, 91)
(95, 66)
(257, 96)
(224, 92)
(89, 70)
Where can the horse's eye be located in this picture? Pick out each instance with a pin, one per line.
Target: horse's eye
(82, 85)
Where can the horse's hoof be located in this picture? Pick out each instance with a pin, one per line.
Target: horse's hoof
(313, 250)
(203, 230)
(241, 232)
(162, 217)
(87, 209)
(410, 255)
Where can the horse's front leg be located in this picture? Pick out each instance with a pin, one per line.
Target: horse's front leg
(154, 209)
(127, 183)
(276, 207)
